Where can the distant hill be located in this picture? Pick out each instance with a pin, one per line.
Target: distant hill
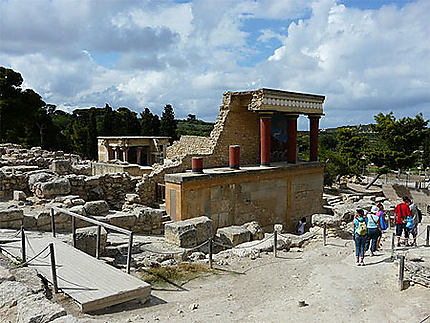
(194, 127)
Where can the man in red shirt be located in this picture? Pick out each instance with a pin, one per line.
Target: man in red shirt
(402, 211)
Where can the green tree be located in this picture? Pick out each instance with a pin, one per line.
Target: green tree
(398, 141)
(147, 123)
(168, 124)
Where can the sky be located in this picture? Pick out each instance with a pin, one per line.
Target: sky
(365, 56)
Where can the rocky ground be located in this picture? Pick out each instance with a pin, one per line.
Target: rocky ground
(268, 289)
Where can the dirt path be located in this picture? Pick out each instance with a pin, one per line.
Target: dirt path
(268, 290)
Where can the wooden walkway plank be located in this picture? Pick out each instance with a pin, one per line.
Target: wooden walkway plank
(90, 282)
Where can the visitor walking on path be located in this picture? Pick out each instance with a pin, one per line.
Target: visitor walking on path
(415, 218)
(373, 229)
(401, 211)
(383, 224)
(360, 236)
(301, 226)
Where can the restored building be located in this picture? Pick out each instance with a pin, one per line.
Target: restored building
(271, 185)
(140, 150)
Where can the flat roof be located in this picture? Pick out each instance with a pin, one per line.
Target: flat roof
(133, 137)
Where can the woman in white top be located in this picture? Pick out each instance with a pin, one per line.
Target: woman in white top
(373, 229)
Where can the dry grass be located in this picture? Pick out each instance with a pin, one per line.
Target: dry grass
(174, 275)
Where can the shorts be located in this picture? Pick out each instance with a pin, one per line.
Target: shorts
(399, 229)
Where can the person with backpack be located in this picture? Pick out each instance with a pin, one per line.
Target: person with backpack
(416, 216)
(401, 211)
(383, 223)
(373, 229)
(360, 236)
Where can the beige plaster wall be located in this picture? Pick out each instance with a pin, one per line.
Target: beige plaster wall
(282, 196)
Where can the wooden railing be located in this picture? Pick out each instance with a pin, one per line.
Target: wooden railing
(99, 228)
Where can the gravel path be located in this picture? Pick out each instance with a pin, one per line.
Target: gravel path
(268, 290)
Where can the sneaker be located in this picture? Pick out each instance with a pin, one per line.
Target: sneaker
(398, 244)
(362, 264)
(357, 263)
(372, 254)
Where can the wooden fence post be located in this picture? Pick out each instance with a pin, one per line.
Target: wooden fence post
(74, 231)
(53, 222)
(275, 242)
(98, 241)
(23, 252)
(210, 253)
(325, 234)
(53, 268)
(401, 271)
(130, 246)
(428, 236)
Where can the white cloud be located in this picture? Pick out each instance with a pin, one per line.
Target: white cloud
(187, 54)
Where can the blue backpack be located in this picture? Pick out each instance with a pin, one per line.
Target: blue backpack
(409, 222)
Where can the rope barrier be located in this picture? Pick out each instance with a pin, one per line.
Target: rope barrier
(28, 261)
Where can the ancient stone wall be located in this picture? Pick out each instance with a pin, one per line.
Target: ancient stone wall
(235, 125)
(12, 181)
(109, 187)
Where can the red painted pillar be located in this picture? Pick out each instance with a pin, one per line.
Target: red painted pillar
(234, 156)
(197, 164)
(292, 138)
(139, 155)
(265, 134)
(313, 127)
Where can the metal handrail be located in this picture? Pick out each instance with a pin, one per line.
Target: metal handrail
(99, 225)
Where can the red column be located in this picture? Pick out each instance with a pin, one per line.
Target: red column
(139, 155)
(197, 164)
(265, 134)
(234, 156)
(292, 138)
(313, 127)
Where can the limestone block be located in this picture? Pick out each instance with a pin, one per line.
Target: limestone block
(344, 212)
(96, 207)
(11, 292)
(121, 219)
(38, 177)
(78, 201)
(132, 198)
(327, 219)
(188, 233)
(247, 248)
(38, 309)
(86, 240)
(19, 196)
(57, 186)
(257, 232)
(234, 235)
(11, 214)
(29, 222)
(61, 166)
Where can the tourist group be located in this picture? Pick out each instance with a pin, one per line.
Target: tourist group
(368, 228)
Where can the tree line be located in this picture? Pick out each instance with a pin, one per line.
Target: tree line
(26, 119)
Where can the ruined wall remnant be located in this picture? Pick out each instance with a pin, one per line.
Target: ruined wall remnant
(235, 125)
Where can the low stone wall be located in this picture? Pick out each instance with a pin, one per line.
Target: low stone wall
(101, 168)
(109, 187)
(188, 145)
(12, 181)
